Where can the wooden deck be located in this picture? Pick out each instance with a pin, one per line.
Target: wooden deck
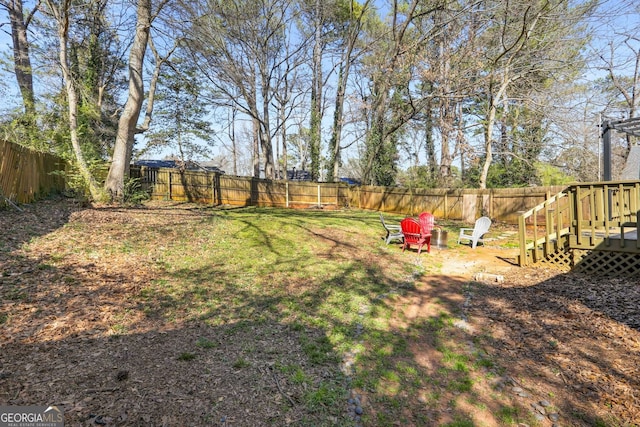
(614, 240)
(628, 235)
(591, 228)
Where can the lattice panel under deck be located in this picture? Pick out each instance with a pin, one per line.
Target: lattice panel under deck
(602, 263)
(560, 259)
(558, 255)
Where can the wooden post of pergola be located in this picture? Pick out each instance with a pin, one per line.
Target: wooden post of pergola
(629, 126)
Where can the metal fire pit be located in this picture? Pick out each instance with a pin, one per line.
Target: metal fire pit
(439, 238)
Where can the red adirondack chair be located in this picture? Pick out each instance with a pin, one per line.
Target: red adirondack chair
(427, 221)
(414, 235)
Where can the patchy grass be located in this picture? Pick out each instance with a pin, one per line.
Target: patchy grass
(283, 316)
(186, 356)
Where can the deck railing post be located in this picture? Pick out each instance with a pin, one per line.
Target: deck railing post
(622, 212)
(578, 215)
(558, 218)
(635, 200)
(548, 223)
(523, 240)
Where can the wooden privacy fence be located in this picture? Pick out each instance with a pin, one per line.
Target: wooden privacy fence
(218, 189)
(505, 204)
(501, 204)
(26, 174)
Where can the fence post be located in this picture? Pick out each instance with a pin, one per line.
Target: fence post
(287, 193)
(170, 178)
(446, 205)
(319, 203)
(383, 206)
(411, 197)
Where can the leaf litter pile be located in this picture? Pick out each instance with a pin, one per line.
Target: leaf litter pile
(88, 321)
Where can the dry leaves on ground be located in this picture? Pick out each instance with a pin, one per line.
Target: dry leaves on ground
(570, 339)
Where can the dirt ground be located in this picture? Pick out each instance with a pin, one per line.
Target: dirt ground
(565, 341)
(569, 340)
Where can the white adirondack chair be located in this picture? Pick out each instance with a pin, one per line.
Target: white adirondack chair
(474, 235)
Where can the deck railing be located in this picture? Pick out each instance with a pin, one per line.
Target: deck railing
(583, 216)
(542, 227)
(605, 212)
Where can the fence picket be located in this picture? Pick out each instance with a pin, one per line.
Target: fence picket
(26, 174)
(504, 205)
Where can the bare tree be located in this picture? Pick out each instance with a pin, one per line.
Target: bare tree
(623, 71)
(531, 41)
(62, 12)
(21, 57)
(351, 33)
(315, 126)
(240, 47)
(446, 85)
(128, 122)
(129, 117)
(391, 69)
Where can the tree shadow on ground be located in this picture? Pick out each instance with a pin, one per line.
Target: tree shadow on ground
(569, 339)
(95, 339)
(143, 342)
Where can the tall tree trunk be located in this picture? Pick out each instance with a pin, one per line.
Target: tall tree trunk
(503, 69)
(429, 145)
(380, 149)
(61, 14)
(255, 153)
(494, 100)
(445, 119)
(232, 137)
(316, 94)
(460, 138)
(265, 133)
(121, 160)
(343, 77)
(267, 151)
(283, 132)
(380, 166)
(336, 130)
(21, 58)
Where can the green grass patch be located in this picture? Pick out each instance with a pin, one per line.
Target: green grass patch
(295, 373)
(508, 415)
(319, 350)
(296, 291)
(241, 363)
(326, 395)
(186, 356)
(460, 422)
(205, 343)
